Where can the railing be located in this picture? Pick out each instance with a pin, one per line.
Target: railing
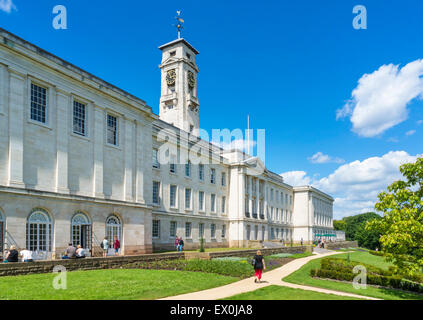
(10, 241)
(96, 250)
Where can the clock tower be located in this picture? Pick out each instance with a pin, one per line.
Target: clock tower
(179, 104)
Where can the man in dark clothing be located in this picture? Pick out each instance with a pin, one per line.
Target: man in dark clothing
(181, 244)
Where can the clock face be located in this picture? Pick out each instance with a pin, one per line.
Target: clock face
(171, 77)
(191, 79)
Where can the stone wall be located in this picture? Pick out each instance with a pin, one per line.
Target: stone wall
(15, 269)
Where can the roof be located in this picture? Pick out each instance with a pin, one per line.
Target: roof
(9, 38)
(177, 41)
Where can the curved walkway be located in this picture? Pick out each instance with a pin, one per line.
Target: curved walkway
(273, 277)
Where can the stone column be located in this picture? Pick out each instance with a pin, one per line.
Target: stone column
(129, 147)
(4, 79)
(241, 183)
(98, 137)
(62, 140)
(16, 131)
(139, 161)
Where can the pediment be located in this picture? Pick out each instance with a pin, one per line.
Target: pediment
(254, 166)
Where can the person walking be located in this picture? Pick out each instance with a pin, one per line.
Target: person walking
(177, 244)
(259, 266)
(302, 242)
(116, 246)
(105, 246)
(181, 244)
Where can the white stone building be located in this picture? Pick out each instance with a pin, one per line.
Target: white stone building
(81, 159)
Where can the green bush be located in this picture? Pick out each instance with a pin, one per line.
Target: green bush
(340, 269)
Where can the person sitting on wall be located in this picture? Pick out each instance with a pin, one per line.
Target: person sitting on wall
(26, 255)
(80, 252)
(12, 255)
(70, 252)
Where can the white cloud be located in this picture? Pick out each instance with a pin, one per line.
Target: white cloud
(239, 144)
(320, 157)
(355, 185)
(7, 6)
(380, 100)
(419, 122)
(410, 133)
(296, 178)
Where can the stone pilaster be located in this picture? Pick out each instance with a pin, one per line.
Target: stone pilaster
(62, 141)
(129, 147)
(98, 137)
(16, 130)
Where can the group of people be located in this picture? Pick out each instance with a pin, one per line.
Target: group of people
(179, 244)
(74, 253)
(12, 255)
(105, 245)
(321, 243)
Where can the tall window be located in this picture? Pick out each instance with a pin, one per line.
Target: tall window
(156, 192)
(256, 233)
(201, 172)
(201, 230)
(187, 198)
(248, 232)
(172, 196)
(223, 179)
(156, 163)
(113, 228)
(81, 231)
(223, 204)
(187, 229)
(224, 231)
(111, 130)
(79, 118)
(201, 200)
(213, 176)
(38, 236)
(213, 203)
(156, 228)
(188, 169)
(213, 231)
(38, 103)
(173, 228)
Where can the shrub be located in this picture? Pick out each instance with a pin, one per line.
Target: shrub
(340, 269)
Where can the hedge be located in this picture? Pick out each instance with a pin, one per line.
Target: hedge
(340, 269)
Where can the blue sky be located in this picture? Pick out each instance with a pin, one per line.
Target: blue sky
(290, 65)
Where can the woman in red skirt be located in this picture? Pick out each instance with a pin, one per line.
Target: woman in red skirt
(259, 266)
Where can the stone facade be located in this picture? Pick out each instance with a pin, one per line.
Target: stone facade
(81, 159)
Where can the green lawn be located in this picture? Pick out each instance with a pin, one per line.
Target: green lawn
(302, 276)
(110, 285)
(284, 293)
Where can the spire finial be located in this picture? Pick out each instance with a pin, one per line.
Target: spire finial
(179, 24)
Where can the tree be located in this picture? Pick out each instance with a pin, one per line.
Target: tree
(355, 227)
(401, 227)
(339, 225)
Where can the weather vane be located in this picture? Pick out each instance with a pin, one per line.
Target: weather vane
(179, 25)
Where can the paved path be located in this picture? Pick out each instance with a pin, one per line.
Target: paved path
(273, 277)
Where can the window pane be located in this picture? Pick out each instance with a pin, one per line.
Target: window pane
(38, 103)
(111, 129)
(79, 118)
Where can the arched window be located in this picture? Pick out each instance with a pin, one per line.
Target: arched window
(81, 231)
(113, 228)
(38, 231)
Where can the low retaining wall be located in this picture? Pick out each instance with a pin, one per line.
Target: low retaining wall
(244, 253)
(339, 245)
(15, 269)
